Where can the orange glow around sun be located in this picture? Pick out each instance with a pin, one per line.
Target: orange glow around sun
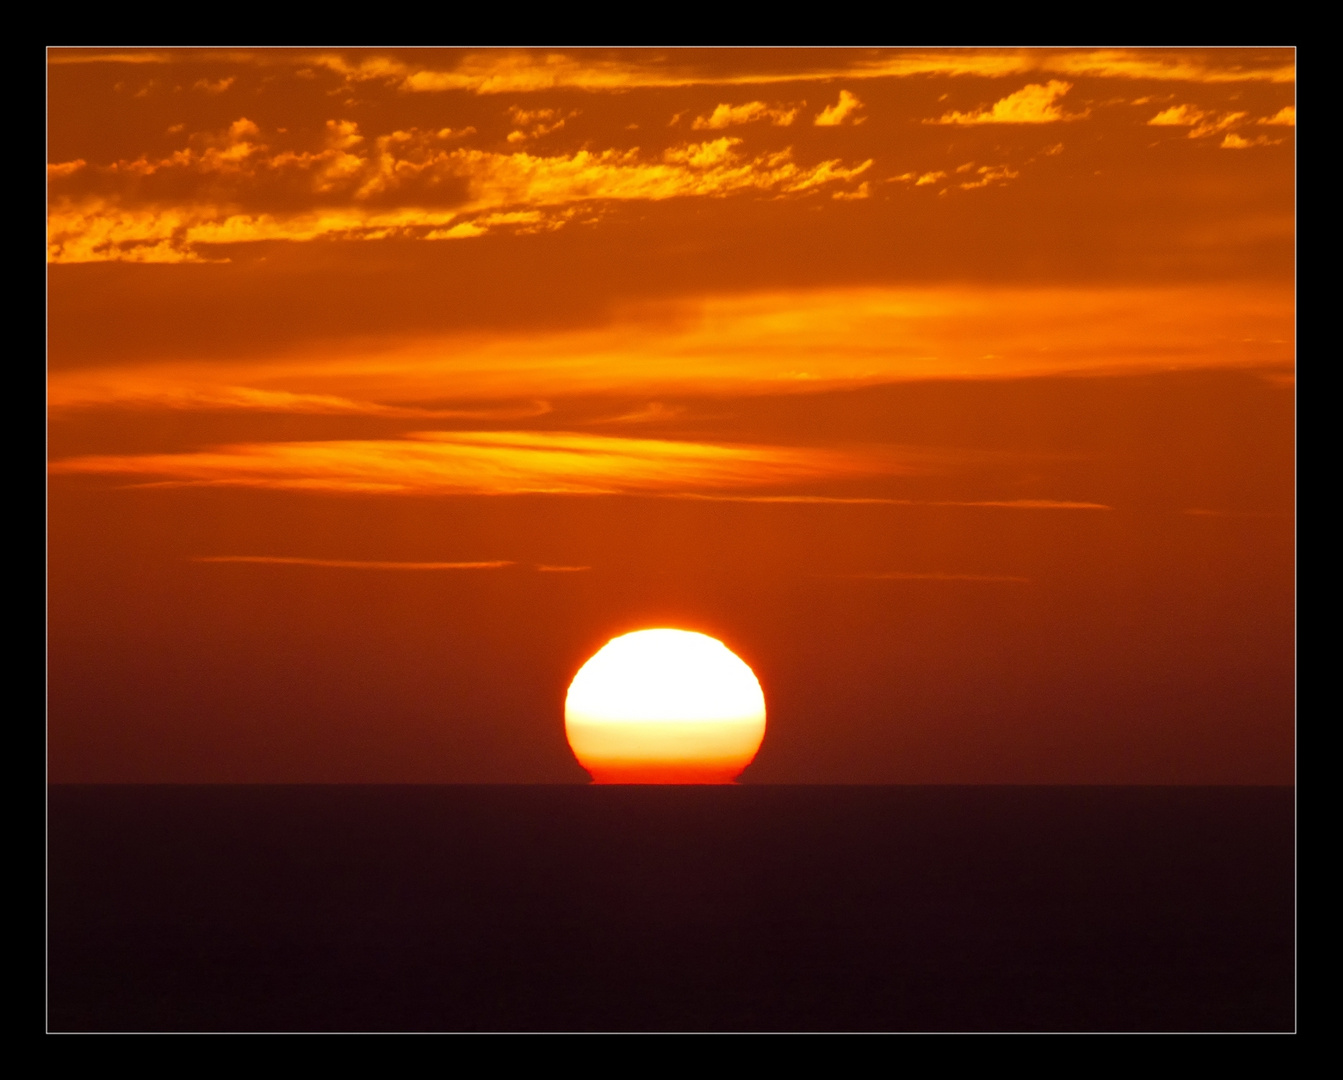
(665, 707)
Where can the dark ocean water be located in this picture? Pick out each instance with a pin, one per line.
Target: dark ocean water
(332, 908)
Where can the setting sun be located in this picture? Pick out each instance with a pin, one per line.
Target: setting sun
(450, 449)
(665, 707)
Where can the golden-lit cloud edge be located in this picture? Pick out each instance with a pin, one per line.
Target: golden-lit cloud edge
(1035, 103)
(1206, 123)
(519, 191)
(512, 72)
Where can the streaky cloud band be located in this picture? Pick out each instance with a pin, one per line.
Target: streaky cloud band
(352, 564)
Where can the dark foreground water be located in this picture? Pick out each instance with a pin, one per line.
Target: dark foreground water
(656, 909)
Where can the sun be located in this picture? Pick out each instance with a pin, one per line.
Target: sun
(665, 707)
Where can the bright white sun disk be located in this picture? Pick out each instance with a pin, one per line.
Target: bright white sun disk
(665, 706)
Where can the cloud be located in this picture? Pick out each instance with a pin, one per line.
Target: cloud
(986, 175)
(1238, 142)
(1200, 123)
(1033, 104)
(516, 190)
(901, 575)
(93, 56)
(160, 389)
(499, 72)
(841, 111)
(772, 342)
(725, 116)
(63, 169)
(863, 500)
(979, 177)
(1211, 125)
(1029, 504)
(862, 191)
(653, 412)
(919, 179)
(1199, 512)
(1167, 65)
(351, 564)
(1286, 117)
(491, 463)
(522, 463)
(218, 86)
(535, 123)
(1178, 116)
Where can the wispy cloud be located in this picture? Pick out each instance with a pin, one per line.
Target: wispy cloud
(158, 389)
(535, 462)
(62, 169)
(1033, 104)
(492, 463)
(841, 112)
(1178, 116)
(860, 500)
(771, 342)
(1202, 512)
(213, 86)
(987, 176)
(725, 115)
(919, 179)
(352, 564)
(98, 56)
(536, 123)
(1201, 123)
(967, 177)
(503, 72)
(1166, 65)
(1029, 504)
(1234, 141)
(514, 190)
(904, 575)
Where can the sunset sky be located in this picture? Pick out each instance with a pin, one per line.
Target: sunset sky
(952, 390)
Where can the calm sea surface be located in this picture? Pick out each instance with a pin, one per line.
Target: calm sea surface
(745, 908)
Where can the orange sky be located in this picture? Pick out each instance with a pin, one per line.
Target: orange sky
(953, 390)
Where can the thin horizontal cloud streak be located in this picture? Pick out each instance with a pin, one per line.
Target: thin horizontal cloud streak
(1028, 504)
(532, 462)
(493, 463)
(523, 72)
(104, 389)
(351, 564)
(876, 500)
(903, 575)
